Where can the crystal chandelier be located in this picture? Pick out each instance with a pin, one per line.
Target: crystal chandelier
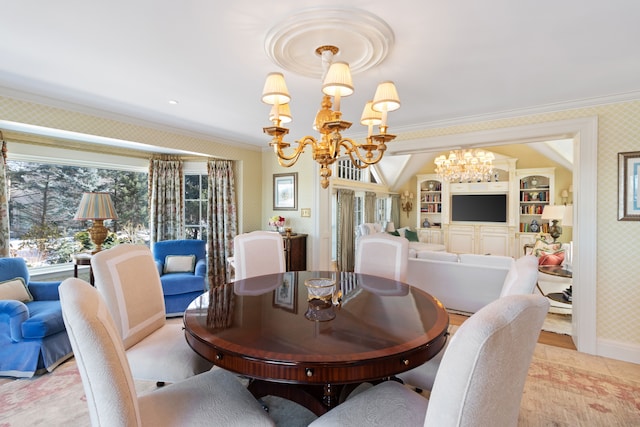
(328, 122)
(465, 166)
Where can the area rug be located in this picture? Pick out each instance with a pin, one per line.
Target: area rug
(563, 388)
(562, 395)
(57, 399)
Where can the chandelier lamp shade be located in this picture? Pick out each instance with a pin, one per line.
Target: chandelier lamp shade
(96, 207)
(465, 166)
(337, 83)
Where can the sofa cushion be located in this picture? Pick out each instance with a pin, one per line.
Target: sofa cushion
(45, 318)
(180, 283)
(438, 256)
(179, 264)
(394, 233)
(15, 289)
(487, 260)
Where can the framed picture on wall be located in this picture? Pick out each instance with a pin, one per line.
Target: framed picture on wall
(285, 191)
(628, 171)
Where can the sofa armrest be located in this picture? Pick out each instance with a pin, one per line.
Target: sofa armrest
(201, 268)
(44, 291)
(15, 313)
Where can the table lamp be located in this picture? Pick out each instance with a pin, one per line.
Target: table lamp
(554, 214)
(96, 207)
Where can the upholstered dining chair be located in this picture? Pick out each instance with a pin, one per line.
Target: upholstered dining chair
(258, 253)
(521, 280)
(383, 255)
(215, 397)
(127, 278)
(479, 383)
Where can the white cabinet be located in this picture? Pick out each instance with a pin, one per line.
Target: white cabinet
(494, 241)
(461, 239)
(431, 235)
(479, 239)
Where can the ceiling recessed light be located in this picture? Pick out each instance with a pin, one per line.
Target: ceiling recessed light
(173, 102)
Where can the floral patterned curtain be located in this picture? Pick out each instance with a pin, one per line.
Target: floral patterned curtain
(4, 202)
(222, 219)
(166, 199)
(346, 231)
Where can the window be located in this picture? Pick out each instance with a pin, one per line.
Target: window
(345, 169)
(195, 206)
(43, 201)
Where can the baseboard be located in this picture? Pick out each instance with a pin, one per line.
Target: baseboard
(618, 350)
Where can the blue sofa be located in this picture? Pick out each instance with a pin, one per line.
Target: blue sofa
(181, 287)
(33, 338)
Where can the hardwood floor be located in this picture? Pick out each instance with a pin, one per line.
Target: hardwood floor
(549, 338)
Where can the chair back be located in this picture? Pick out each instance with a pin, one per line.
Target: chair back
(258, 253)
(522, 277)
(104, 369)
(127, 278)
(482, 374)
(383, 255)
(179, 247)
(11, 268)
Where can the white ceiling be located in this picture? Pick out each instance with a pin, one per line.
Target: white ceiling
(451, 60)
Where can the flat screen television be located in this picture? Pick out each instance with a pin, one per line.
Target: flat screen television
(479, 207)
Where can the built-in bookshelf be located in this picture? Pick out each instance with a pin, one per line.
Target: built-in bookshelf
(535, 192)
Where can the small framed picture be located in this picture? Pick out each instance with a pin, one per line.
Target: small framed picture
(285, 191)
(285, 295)
(628, 171)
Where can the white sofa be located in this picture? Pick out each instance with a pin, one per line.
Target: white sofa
(465, 282)
(414, 247)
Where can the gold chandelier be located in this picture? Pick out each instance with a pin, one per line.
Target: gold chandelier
(465, 166)
(326, 150)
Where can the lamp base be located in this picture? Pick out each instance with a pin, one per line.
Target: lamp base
(98, 234)
(555, 230)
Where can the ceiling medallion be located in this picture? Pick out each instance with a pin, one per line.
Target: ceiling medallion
(364, 40)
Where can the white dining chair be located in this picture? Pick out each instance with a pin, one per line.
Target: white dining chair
(127, 278)
(215, 397)
(520, 280)
(480, 380)
(258, 253)
(383, 255)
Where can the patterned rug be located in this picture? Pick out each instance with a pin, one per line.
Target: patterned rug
(564, 388)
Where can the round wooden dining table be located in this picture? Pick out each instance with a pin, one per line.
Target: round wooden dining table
(271, 331)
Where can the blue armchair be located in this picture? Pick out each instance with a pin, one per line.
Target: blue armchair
(182, 266)
(33, 338)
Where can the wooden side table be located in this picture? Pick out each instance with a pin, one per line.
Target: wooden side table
(82, 259)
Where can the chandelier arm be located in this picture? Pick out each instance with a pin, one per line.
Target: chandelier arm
(279, 147)
(353, 147)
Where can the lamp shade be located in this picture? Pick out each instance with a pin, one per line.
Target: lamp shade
(284, 113)
(275, 90)
(553, 212)
(338, 80)
(369, 116)
(386, 97)
(567, 219)
(96, 206)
